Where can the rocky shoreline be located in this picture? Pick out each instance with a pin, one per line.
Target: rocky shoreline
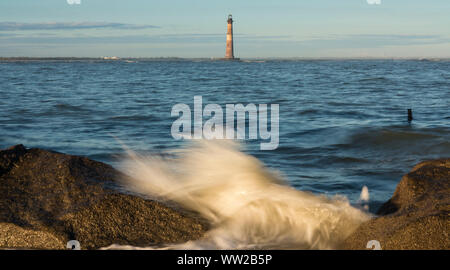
(416, 217)
(48, 198)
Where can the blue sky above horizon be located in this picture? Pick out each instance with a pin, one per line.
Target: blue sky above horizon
(196, 28)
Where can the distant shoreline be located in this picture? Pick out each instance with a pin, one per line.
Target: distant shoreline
(20, 58)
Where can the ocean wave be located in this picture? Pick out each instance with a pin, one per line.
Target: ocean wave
(374, 79)
(133, 118)
(387, 137)
(248, 206)
(69, 107)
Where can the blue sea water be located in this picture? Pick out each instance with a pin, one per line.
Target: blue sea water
(343, 123)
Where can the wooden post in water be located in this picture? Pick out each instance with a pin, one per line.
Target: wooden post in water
(410, 117)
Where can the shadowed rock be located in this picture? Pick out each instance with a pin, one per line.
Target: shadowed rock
(418, 214)
(49, 198)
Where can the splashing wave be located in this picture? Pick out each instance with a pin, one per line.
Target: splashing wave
(248, 205)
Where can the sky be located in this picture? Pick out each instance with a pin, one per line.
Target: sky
(197, 28)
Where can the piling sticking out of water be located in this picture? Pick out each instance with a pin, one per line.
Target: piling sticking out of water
(410, 116)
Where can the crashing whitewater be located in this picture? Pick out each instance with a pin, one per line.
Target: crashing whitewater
(247, 205)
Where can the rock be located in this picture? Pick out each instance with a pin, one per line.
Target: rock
(417, 215)
(56, 197)
(13, 236)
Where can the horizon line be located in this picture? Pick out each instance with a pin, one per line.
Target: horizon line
(116, 58)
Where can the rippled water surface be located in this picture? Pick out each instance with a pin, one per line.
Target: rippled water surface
(343, 124)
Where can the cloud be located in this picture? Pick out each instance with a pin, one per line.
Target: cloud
(186, 38)
(208, 44)
(16, 26)
(374, 2)
(373, 41)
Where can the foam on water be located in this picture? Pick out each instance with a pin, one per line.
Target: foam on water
(248, 205)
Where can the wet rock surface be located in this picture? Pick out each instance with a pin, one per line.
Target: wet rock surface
(48, 198)
(418, 214)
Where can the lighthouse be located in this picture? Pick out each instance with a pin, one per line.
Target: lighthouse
(229, 54)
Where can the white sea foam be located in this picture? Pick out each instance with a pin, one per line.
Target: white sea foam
(364, 197)
(248, 205)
